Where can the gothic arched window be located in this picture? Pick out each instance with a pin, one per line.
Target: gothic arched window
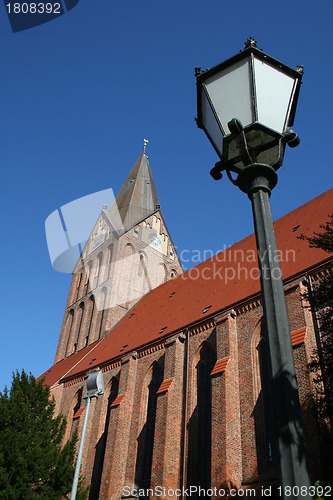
(78, 285)
(263, 409)
(268, 454)
(145, 448)
(101, 445)
(81, 312)
(76, 405)
(200, 425)
(91, 311)
(98, 274)
(69, 324)
(109, 261)
(88, 275)
(103, 304)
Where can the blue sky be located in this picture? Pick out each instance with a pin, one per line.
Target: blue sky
(78, 96)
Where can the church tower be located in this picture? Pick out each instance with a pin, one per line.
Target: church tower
(128, 253)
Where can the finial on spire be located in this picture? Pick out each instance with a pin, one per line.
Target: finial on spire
(145, 142)
(250, 42)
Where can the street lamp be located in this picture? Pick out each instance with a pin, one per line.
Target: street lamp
(246, 106)
(95, 388)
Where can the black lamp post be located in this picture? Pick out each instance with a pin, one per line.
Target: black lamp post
(246, 106)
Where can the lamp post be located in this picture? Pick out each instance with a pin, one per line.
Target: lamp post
(246, 106)
(95, 387)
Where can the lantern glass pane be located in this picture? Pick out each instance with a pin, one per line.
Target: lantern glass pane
(210, 123)
(273, 94)
(230, 91)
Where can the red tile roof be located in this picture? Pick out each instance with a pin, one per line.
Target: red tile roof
(60, 369)
(222, 282)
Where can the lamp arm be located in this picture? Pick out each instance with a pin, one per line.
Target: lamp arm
(288, 137)
(237, 130)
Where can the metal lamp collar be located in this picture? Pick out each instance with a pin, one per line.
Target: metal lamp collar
(253, 176)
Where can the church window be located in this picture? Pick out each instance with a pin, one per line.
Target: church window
(265, 375)
(144, 456)
(141, 265)
(78, 284)
(76, 407)
(69, 324)
(200, 425)
(98, 269)
(101, 444)
(103, 313)
(81, 312)
(110, 253)
(91, 306)
(88, 275)
(263, 410)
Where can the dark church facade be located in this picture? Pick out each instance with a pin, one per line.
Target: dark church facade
(187, 400)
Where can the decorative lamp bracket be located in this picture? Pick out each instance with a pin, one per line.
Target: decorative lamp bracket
(237, 132)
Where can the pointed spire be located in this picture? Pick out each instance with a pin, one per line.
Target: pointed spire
(137, 198)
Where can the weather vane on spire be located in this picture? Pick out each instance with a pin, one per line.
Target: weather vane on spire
(145, 142)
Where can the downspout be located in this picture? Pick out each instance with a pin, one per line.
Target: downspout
(187, 354)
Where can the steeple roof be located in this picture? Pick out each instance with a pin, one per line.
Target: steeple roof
(137, 198)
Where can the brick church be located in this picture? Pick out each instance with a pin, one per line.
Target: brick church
(184, 361)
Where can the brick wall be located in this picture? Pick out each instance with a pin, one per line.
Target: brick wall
(238, 428)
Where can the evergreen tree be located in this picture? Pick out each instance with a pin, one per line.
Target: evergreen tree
(33, 464)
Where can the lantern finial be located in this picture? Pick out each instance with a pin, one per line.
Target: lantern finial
(250, 42)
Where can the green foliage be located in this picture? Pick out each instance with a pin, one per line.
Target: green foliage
(321, 300)
(33, 464)
(323, 491)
